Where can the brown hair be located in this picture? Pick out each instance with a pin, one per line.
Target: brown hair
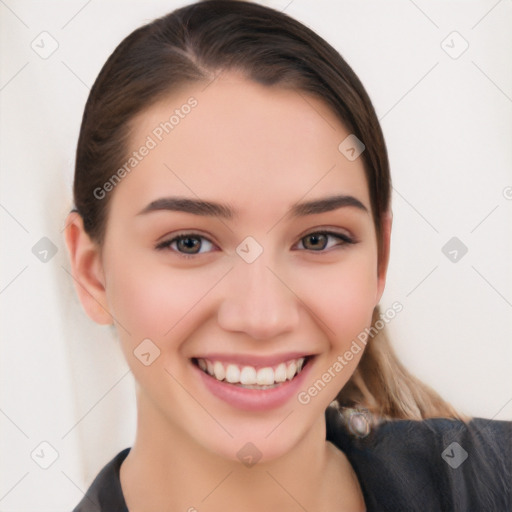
(195, 43)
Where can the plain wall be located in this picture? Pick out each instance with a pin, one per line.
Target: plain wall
(448, 126)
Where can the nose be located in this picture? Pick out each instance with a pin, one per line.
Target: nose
(258, 302)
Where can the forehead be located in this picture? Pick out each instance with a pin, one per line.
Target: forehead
(242, 143)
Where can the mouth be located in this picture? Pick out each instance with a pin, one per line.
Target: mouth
(252, 377)
(259, 387)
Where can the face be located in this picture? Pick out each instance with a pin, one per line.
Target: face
(242, 244)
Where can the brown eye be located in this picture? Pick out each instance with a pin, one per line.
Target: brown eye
(315, 241)
(321, 240)
(189, 244)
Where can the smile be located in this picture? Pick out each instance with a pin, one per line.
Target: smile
(266, 384)
(250, 377)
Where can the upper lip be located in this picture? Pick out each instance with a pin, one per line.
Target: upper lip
(254, 360)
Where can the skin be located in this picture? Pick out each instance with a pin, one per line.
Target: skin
(258, 150)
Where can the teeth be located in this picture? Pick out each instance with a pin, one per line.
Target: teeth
(291, 370)
(280, 373)
(232, 373)
(218, 370)
(249, 376)
(265, 377)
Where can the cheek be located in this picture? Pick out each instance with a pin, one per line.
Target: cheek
(342, 306)
(342, 296)
(155, 301)
(159, 304)
(352, 305)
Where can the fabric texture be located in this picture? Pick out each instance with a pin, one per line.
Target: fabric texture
(435, 465)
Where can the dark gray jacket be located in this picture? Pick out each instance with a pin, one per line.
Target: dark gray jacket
(435, 465)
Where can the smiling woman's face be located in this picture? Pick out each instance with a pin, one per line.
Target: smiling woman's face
(257, 281)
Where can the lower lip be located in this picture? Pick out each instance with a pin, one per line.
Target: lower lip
(254, 399)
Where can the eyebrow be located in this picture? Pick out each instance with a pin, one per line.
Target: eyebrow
(213, 209)
(194, 206)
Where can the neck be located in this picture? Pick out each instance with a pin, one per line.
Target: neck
(167, 470)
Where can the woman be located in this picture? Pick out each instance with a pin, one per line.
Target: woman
(233, 220)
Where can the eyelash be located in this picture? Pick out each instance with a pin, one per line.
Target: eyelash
(345, 239)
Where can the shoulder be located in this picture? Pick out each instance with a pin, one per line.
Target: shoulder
(442, 464)
(105, 493)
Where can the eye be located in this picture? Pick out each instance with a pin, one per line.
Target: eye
(321, 240)
(187, 244)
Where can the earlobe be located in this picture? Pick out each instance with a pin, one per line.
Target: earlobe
(87, 270)
(387, 221)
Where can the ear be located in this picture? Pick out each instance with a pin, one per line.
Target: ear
(87, 270)
(387, 221)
